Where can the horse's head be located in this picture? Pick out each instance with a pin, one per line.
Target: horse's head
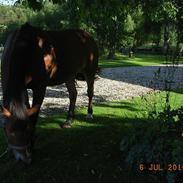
(19, 133)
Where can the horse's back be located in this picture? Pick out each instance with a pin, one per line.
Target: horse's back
(73, 43)
(76, 52)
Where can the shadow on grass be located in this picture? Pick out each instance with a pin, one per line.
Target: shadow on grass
(121, 105)
(55, 110)
(178, 91)
(88, 152)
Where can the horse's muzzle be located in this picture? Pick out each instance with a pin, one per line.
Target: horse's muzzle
(21, 153)
(24, 156)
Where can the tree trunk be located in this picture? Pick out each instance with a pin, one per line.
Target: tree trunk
(177, 52)
(130, 52)
(166, 41)
(111, 54)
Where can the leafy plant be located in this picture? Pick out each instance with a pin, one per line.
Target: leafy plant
(159, 141)
(155, 143)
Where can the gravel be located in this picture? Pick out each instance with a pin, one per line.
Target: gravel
(113, 84)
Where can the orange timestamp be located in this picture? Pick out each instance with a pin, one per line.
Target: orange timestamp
(155, 167)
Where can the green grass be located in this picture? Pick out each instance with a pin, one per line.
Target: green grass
(88, 152)
(137, 60)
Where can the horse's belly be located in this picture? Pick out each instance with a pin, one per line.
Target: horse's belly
(61, 78)
(55, 82)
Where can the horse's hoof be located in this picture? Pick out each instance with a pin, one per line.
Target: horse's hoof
(89, 117)
(66, 125)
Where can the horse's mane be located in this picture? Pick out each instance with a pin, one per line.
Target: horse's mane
(13, 71)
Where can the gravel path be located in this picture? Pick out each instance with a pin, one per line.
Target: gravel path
(113, 84)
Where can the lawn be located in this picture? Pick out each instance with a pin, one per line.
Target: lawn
(137, 60)
(88, 152)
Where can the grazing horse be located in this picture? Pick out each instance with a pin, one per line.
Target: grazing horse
(34, 59)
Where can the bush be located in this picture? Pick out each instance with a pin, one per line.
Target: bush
(156, 142)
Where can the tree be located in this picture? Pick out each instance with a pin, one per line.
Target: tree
(179, 26)
(34, 4)
(109, 24)
(11, 18)
(51, 17)
(163, 14)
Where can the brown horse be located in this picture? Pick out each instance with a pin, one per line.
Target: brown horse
(35, 59)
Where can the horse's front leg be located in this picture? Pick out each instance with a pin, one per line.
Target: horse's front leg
(38, 96)
(72, 97)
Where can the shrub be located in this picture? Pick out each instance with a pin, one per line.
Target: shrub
(156, 142)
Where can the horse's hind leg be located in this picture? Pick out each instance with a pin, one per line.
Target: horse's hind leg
(90, 83)
(72, 97)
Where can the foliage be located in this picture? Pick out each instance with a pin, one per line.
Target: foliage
(74, 13)
(108, 24)
(162, 135)
(114, 24)
(161, 144)
(50, 17)
(11, 18)
(35, 5)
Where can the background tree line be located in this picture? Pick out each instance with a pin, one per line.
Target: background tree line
(115, 24)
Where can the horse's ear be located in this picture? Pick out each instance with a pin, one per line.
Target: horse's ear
(40, 42)
(5, 111)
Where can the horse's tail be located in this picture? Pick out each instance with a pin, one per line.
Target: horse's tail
(13, 82)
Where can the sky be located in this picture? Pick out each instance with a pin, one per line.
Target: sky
(9, 2)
